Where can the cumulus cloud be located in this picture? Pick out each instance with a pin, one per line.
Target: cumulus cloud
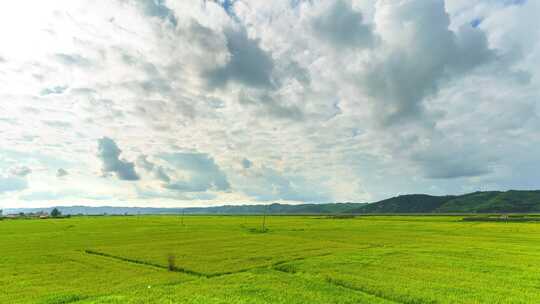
(143, 162)
(267, 104)
(57, 123)
(246, 163)
(20, 171)
(61, 172)
(53, 90)
(329, 100)
(109, 153)
(158, 8)
(12, 184)
(73, 60)
(202, 173)
(447, 163)
(413, 60)
(247, 64)
(343, 26)
(158, 171)
(267, 184)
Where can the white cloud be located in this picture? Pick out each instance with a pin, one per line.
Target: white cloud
(61, 172)
(200, 173)
(327, 100)
(12, 183)
(109, 153)
(20, 171)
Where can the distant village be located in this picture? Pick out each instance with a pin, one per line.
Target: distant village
(55, 213)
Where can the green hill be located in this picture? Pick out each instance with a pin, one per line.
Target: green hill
(410, 203)
(277, 209)
(494, 201)
(476, 202)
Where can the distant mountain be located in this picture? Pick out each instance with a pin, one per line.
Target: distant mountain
(494, 201)
(278, 209)
(233, 209)
(476, 202)
(410, 203)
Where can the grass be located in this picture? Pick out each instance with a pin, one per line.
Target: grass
(213, 259)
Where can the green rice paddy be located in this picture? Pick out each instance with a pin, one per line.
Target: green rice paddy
(299, 259)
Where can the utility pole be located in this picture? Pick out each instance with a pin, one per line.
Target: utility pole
(182, 217)
(264, 218)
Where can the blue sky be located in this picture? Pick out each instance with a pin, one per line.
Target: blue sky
(197, 103)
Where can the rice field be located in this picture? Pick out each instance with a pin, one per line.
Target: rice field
(299, 259)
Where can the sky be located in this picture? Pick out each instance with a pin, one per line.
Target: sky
(196, 103)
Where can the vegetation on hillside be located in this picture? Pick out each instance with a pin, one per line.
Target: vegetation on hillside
(412, 203)
(477, 202)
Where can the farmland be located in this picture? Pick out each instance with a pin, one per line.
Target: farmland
(299, 259)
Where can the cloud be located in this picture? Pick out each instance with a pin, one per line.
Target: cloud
(248, 64)
(20, 171)
(413, 60)
(202, 173)
(162, 175)
(158, 8)
(266, 184)
(143, 162)
(12, 184)
(61, 172)
(246, 163)
(53, 90)
(450, 164)
(514, 2)
(109, 153)
(43, 196)
(73, 60)
(268, 104)
(57, 124)
(327, 100)
(228, 5)
(175, 195)
(158, 171)
(342, 26)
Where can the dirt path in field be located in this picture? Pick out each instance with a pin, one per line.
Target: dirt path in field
(139, 262)
(192, 272)
(276, 266)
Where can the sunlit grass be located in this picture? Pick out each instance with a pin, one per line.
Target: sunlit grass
(226, 259)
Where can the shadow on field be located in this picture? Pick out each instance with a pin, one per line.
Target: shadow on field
(338, 217)
(64, 299)
(503, 218)
(254, 230)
